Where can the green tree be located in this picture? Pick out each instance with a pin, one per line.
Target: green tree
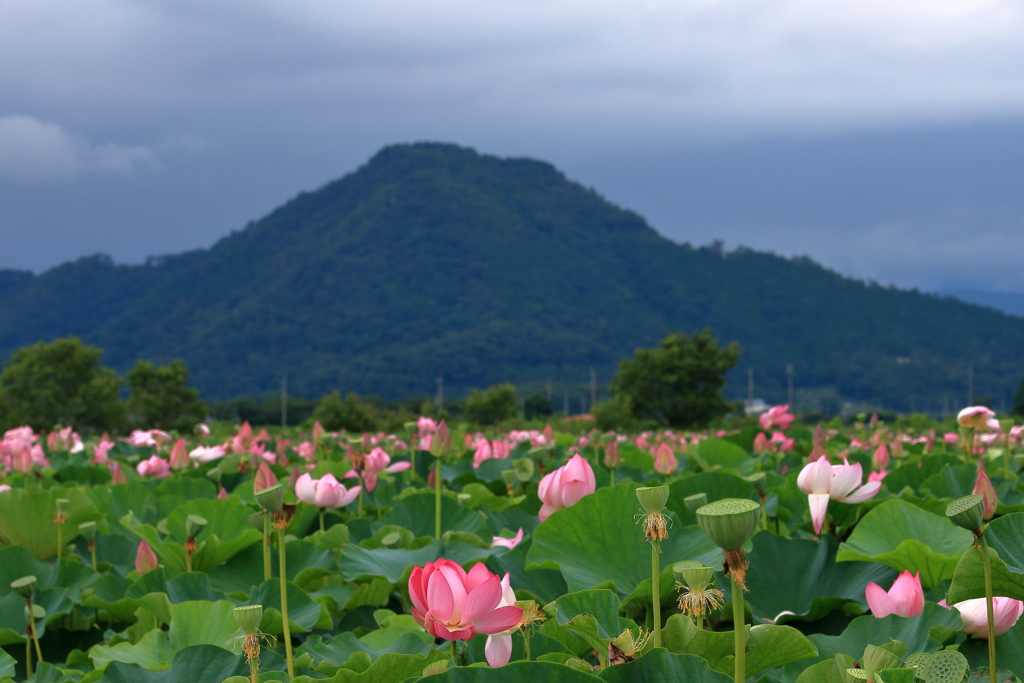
(159, 398)
(492, 405)
(61, 382)
(679, 382)
(537, 405)
(352, 413)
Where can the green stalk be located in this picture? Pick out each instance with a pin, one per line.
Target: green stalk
(526, 643)
(987, 564)
(60, 539)
(412, 461)
(362, 487)
(455, 652)
(437, 500)
(28, 659)
(284, 604)
(656, 591)
(188, 561)
(321, 511)
(700, 622)
(92, 553)
(35, 636)
(741, 632)
(764, 510)
(267, 573)
(611, 475)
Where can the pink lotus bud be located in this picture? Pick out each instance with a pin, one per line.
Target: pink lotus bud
(549, 433)
(318, 433)
(611, 454)
(565, 486)
(179, 455)
(117, 474)
(905, 598)
(665, 460)
(881, 457)
(145, 558)
(983, 487)
(819, 435)
(761, 443)
(1005, 613)
(817, 453)
(223, 495)
(264, 478)
(155, 467)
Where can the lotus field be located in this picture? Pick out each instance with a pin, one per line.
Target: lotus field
(773, 553)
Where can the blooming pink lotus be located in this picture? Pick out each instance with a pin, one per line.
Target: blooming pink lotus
(776, 417)
(823, 482)
(155, 467)
(205, 454)
(145, 558)
(454, 605)
(201, 430)
(153, 438)
(905, 598)
(483, 452)
(565, 486)
(665, 460)
(325, 492)
(498, 648)
(974, 613)
(983, 487)
(20, 451)
(101, 450)
(978, 417)
(306, 451)
(951, 438)
(510, 543)
(780, 443)
(372, 464)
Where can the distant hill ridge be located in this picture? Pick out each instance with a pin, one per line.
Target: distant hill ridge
(432, 258)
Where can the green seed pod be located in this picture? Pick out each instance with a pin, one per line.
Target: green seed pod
(24, 586)
(946, 666)
(919, 661)
(62, 504)
(697, 500)
(967, 512)
(758, 480)
(36, 614)
(524, 469)
(694, 574)
(463, 498)
(194, 524)
(248, 618)
(509, 476)
(88, 530)
(729, 522)
(652, 498)
(394, 538)
(271, 499)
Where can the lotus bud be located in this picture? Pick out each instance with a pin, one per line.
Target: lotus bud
(696, 501)
(967, 512)
(248, 618)
(611, 454)
(88, 530)
(758, 480)
(194, 524)
(265, 479)
(271, 499)
(62, 504)
(24, 586)
(145, 559)
(652, 498)
(729, 522)
(441, 442)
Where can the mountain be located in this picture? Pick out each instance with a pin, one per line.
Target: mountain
(1011, 303)
(432, 258)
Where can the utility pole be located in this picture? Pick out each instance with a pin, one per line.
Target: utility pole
(284, 400)
(440, 392)
(970, 384)
(789, 381)
(593, 388)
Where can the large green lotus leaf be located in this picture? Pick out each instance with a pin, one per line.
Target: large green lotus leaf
(969, 578)
(26, 518)
(153, 652)
(225, 519)
(109, 593)
(822, 672)
(915, 471)
(951, 482)
(716, 485)
(1005, 535)
(16, 562)
(337, 650)
(723, 455)
(198, 664)
(661, 666)
(202, 623)
(601, 604)
(303, 613)
(189, 488)
(814, 584)
(515, 672)
(7, 664)
(416, 513)
(212, 552)
(544, 584)
(393, 563)
(118, 500)
(182, 588)
(389, 668)
(768, 645)
(598, 539)
(904, 536)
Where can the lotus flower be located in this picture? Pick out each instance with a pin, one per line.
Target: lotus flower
(780, 443)
(665, 460)
(498, 648)
(306, 451)
(325, 492)
(204, 454)
(760, 443)
(155, 467)
(878, 475)
(264, 478)
(905, 598)
(153, 438)
(4, 487)
(375, 462)
(974, 613)
(145, 558)
(822, 482)
(611, 454)
(100, 452)
(483, 452)
(565, 486)
(509, 543)
(978, 417)
(117, 475)
(983, 487)
(454, 605)
(201, 430)
(179, 455)
(223, 495)
(776, 417)
(881, 457)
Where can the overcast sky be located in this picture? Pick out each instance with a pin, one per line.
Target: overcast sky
(885, 139)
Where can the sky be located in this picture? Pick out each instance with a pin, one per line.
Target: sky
(883, 139)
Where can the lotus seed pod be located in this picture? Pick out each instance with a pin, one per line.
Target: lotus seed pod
(758, 480)
(678, 567)
(248, 618)
(652, 498)
(625, 643)
(463, 498)
(946, 666)
(919, 661)
(967, 512)
(509, 476)
(524, 469)
(194, 524)
(35, 614)
(394, 538)
(62, 504)
(88, 530)
(698, 577)
(271, 499)
(697, 500)
(729, 522)
(24, 586)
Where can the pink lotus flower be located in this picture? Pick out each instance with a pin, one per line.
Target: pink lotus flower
(145, 558)
(509, 543)
(454, 605)
(4, 487)
(100, 452)
(881, 457)
(641, 442)
(565, 486)
(817, 453)
(761, 443)
(665, 460)
(223, 495)
(974, 613)
(64, 439)
(20, 450)
(983, 487)
(179, 455)
(325, 492)
(117, 474)
(306, 451)
(611, 454)
(823, 482)
(201, 430)
(780, 443)
(776, 417)
(877, 475)
(978, 417)
(155, 467)
(498, 648)
(375, 462)
(154, 438)
(905, 598)
(951, 438)
(204, 454)
(264, 478)
(483, 452)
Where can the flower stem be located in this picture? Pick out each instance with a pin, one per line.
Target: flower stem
(28, 659)
(284, 604)
(321, 511)
(987, 564)
(740, 630)
(526, 643)
(437, 499)
(267, 574)
(188, 561)
(656, 591)
(60, 540)
(32, 626)
(362, 487)
(700, 622)
(455, 653)
(92, 552)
